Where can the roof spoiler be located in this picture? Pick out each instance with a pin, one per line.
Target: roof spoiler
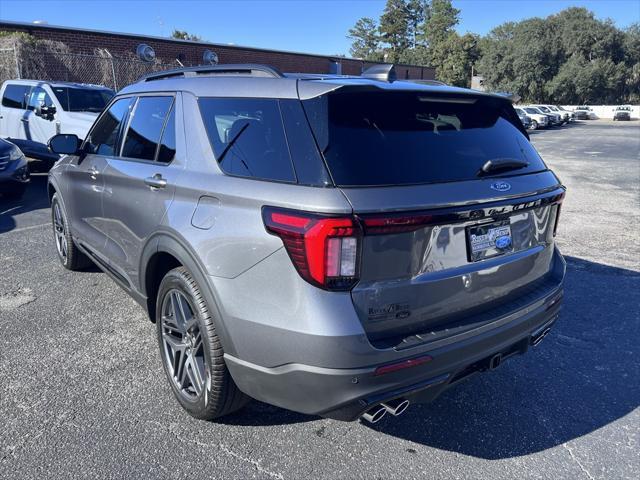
(382, 72)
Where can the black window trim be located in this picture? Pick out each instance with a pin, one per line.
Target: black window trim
(286, 139)
(127, 124)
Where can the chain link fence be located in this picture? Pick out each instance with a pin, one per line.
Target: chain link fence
(99, 69)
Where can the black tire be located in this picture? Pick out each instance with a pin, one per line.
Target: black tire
(189, 339)
(70, 257)
(534, 125)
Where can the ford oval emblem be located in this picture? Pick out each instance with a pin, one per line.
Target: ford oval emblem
(501, 186)
(503, 242)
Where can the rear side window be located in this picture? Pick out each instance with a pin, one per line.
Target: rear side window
(248, 138)
(104, 135)
(15, 96)
(75, 99)
(145, 128)
(403, 138)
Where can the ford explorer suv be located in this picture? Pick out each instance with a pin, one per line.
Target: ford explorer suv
(32, 111)
(338, 246)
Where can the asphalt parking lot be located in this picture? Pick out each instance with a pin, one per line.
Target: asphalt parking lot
(83, 395)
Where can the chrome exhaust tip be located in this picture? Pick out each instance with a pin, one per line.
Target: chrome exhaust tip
(375, 414)
(396, 407)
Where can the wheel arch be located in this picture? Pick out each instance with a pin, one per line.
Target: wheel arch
(164, 252)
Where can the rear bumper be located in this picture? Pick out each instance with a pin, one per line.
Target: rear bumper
(345, 394)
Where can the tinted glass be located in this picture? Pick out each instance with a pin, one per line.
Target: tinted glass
(167, 149)
(247, 137)
(15, 96)
(145, 127)
(83, 99)
(401, 138)
(39, 97)
(104, 136)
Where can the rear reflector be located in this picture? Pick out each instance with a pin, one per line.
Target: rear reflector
(394, 367)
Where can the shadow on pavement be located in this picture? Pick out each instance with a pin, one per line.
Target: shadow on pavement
(581, 378)
(35, 198)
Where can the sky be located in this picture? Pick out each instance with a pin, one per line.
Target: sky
(314, 26)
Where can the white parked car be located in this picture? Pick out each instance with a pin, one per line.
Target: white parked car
(33, 111)
(538, 119)
(556, 117)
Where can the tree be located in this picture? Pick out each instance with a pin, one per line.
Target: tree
(394, 28)
(417, 11)
(440, 22)
(570, 58)
(183, 35)
(365, 40)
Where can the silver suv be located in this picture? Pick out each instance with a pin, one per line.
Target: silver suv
(338, 246)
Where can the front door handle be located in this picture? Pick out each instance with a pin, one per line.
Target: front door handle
(156, 181)
(25, 120)
(93, 173)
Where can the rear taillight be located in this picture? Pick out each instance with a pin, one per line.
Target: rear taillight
(323, 248)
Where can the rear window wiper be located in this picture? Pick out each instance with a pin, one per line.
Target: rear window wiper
(501, 165)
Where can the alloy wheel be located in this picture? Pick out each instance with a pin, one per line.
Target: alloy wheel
(182, 345)
(59, 232)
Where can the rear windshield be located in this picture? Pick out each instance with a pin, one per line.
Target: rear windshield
(402, 138)
(83, 99)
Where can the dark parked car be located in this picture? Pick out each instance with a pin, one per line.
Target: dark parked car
(14, 171)
(622, 113)
(338, 246)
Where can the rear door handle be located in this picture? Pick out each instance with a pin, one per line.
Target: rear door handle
(156, 181)
(25, 120)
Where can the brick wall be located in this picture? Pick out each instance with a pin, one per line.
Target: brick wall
(190, 53)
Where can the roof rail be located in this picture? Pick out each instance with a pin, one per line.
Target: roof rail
(251, 69)
(383, 72)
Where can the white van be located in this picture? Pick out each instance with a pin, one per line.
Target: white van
(33, 111)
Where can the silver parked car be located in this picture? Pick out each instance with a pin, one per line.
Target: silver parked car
(338, 246)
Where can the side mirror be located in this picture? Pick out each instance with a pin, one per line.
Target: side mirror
(65, 144)
(46, 112)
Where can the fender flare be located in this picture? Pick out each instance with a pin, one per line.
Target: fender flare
(169, 242)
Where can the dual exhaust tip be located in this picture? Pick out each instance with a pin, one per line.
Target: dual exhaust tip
(394, 407)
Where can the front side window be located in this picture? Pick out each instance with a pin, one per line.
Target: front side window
(75, 99)
(38, 98)
(104, 136)
(15, 96)
(248, 138)
(146, 126)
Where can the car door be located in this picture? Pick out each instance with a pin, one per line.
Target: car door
(42, 126)
(140, 183)
(13, 115)
(85, 181)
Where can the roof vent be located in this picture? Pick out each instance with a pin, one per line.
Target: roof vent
(382, 72)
